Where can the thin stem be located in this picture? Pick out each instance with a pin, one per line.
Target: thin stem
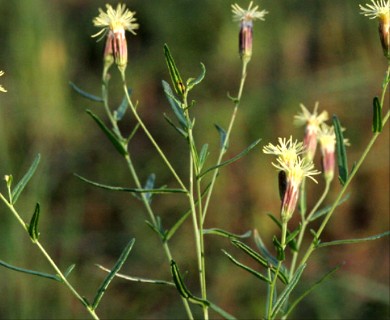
(133, 172)
(305, 222)
(50, 260)
(225, 143)
(150, 137)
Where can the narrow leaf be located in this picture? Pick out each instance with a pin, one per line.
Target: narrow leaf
(203, 155)
(341, 152)
(229, 161)
(351, 241)
(174, 72)
(32, 272)
(222, 137)
(246, 268)
(85, 94)
(175, 105)
(69, 270)
(263, 250)
(301, 297)
(26, 178)
(106, 282)
(116, 141)
(120, 112)
(181, 131)
(150, 185)
(179, 283)
(292, 244)
(377, 116)
(33, 226)
(176, 226)
(292, 235)
(325, 210)
(226, 234)
(280, 255)
(131, 190)
(221, 312)
(137, 279)
(193, 82)
(287, 291)
(260, 259)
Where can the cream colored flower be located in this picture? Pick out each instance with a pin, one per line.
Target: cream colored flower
(249, 14)
(377, 9)
(1, 87)
(287, 150)
(115, 20)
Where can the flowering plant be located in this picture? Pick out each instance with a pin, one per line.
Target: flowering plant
(281, 269)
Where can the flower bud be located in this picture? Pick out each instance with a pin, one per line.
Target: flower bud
(245, 40)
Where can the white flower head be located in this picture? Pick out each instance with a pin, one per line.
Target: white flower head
(250, 14)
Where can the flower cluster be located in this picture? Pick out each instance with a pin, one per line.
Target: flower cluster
(294, 169)
(114, 23)
(246, 18)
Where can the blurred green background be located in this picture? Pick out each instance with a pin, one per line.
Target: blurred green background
(305, 51)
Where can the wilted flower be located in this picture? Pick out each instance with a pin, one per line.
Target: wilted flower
(294, 169)
(312, 122)
(1, 87)
(246, 18)
(380, 9)
(114, 23)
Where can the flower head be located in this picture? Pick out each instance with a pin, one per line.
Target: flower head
(1, 87)
(380, 9)
(114, 23)
(294, 169)
(327, 139)
(246, 18)
(250, 14)
(312, 122)
(287, 150)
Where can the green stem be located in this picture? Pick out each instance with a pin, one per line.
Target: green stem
(50, 260)
(133, 172)
(225, 144)
(150, 137)
(305, 222)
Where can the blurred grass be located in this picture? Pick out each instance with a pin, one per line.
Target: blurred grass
(305, 51)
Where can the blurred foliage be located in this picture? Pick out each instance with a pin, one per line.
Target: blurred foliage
(305, 51)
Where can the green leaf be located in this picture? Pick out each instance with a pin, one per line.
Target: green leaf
(221, 312)
(302, 296)
(193, 82)
(203, 155)
(246, 268)
(174, 72)
(116, 141)
(33, 226)
(131, 190)
(351, 241)
(69, 270)
(137, 279)
(260, 259)
(326, 209)
(181, 131)
(176, 226)
(263, 250)
(150, 185)
(32, 272)
(106, 282)
(292, 235)
(222, 137)
(85, 94)
(229, 161)
(175, 105)
(26, 178)
(120, 112)
(226, 234)
(377, 116)
(341, 152)
(287, 291)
